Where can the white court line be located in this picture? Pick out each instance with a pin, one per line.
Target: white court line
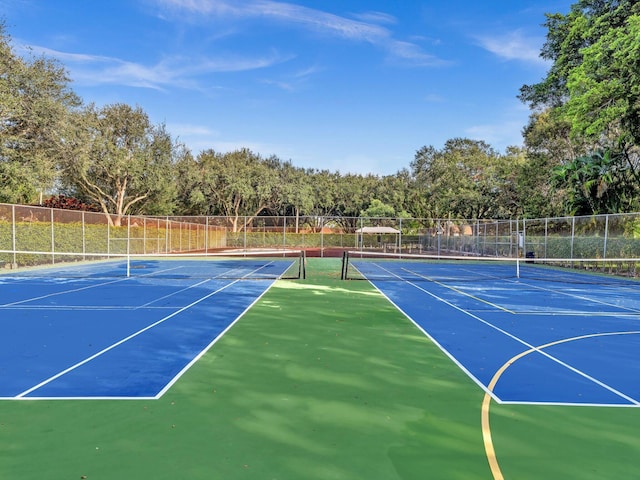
(508, 334)
(146, 305)
(568, 294)
(89, 308)
(79, 289)
(461, 292)
(578, 313)
(582, 297)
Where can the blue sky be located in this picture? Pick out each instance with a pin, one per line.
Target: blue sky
(343, 85)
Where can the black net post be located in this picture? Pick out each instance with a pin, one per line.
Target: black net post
(345, 261)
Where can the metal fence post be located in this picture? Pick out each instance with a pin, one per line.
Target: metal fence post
(13, 235)
(546, 235)
(206, 234)
(606, 235)
(167, 235)
(84, 238)
(321, 237)
(53, 238)
(573, 232)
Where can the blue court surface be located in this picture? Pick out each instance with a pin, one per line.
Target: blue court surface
(546, 337)
(90, 332)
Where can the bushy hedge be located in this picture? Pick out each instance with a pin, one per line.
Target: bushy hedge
(584, 247)
(290, 240)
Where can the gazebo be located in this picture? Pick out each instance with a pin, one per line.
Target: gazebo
(379, 232)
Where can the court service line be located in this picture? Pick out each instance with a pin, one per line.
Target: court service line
(461, 292)
(79, 289)
(146, 305)
(105, 307)
(486, 402)
(580, 297)
(124, 340)
(89, 308)
(217, 277)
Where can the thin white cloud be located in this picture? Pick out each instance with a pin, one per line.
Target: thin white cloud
(236, 64)
(500, 135)
(413, 53)
(434, 98)
(308, 18)
(231, 145)
(505, 128)
(376, 17)
(513, 46)
(307, 72)
(199, 137)
(11, 6)
(289, 87)
(170, 72)
(189, 130)
(294, 81)
(288, 12)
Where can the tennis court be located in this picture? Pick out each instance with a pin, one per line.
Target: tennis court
(94, 330)
(155, 369)
(525, 333)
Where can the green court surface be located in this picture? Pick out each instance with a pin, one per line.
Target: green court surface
(322, 379)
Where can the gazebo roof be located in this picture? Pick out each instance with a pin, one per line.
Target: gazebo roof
(377, 230)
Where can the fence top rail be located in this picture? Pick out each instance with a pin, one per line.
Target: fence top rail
(250, 220)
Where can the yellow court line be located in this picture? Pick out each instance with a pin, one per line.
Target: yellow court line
(461, 292)
(486, 402)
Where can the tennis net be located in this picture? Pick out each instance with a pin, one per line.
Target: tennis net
(253, 264)
(363, 265)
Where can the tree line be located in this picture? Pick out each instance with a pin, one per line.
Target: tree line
(580, 153)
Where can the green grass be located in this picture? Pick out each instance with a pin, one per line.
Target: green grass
(322, 379)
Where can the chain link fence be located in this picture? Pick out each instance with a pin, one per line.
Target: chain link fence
(32, 235)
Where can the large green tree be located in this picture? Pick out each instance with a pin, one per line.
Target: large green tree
(378, 209)
(588, 104)
(324, 191)
(239, 185)
(569, 37)
(353, 194)
(35, 101)
(604, 89)
(118, 160)
(466, 179)
(296, 192)
(597, 183)
(396, 191)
